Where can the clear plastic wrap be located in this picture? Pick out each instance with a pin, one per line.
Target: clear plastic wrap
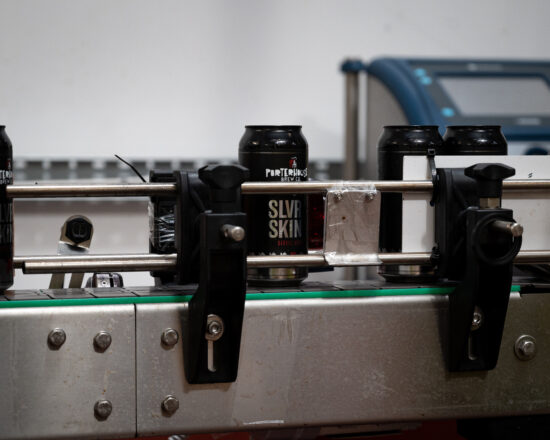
(161, 227)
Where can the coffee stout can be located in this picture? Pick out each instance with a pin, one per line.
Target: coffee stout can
(6, 212)
(277, 223)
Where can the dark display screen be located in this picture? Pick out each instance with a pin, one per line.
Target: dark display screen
(497, 95)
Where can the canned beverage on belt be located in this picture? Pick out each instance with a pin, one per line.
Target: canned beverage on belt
(277, 223)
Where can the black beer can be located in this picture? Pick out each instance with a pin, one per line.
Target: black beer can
(277, 223)
(6, 212)
(396, 142)
(471, 140)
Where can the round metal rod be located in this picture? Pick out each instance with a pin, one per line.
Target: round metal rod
(323, 186)
(424, 186)
(95, 263)
(146, 262)
(99, 190)
(312, 260)
(167, 189)
(351, 168)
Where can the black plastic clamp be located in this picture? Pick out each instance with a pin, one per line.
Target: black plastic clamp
(477, 255)
(211, 237)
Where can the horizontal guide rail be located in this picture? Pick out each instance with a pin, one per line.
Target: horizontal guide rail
(146, 262)
(167, 189)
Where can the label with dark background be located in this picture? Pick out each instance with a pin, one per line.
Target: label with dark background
(277, 223)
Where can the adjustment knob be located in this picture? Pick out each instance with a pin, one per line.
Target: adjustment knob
(224, 182)
(223, 176)
(489, 177)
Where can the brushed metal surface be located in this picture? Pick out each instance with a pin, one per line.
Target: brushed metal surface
(51, 393)
(340, 361)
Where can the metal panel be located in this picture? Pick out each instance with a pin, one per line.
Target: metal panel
(51, 393)
(340, 361)
(351, 227)
(529, 207)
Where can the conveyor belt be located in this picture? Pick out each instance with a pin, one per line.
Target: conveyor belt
(174, 294)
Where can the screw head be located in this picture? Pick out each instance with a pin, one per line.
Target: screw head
(170, 404)
(369, 196)
(477, 319)
(338, 195)
(525, 348)
(234, 233)
(102, 341)
(103, 409)
(56, 338)
(214, 328)
(169, 337)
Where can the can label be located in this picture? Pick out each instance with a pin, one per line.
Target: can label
(290, 174)
(6, 177)
(286, 220)
(278, 222)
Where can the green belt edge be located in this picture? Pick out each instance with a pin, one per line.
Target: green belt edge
(249, 297)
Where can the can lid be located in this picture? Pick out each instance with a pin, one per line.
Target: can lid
(274, 127)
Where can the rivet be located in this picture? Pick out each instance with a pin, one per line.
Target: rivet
(103, 409)
(102, 341)
(56, 338)
(169, 337)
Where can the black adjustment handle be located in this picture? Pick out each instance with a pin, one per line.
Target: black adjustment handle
(213, 324)
(225, 185)
(489, 177)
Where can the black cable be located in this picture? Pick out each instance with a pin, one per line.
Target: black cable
(133, 168)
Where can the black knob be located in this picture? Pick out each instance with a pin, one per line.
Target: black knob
(489, 177)
(223, 176)
(78, 230)
(225, 185)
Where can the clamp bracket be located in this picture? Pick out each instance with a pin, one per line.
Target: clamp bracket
(474, 250)
(216, 245)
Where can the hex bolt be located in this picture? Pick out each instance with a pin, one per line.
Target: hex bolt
(525, 348)
(56, 338)
(103, 409)
(169, 337)
(338, 195)
(214, 327)
(234, 233)
(170, 404)
(369, 196)
(102, 341)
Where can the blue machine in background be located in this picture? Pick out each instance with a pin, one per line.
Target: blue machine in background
(513, 94)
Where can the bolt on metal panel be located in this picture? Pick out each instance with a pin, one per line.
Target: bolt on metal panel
(70, 389)
(340, 361)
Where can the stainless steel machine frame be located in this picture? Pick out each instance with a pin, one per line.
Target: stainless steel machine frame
(348, 354)
(304, 362)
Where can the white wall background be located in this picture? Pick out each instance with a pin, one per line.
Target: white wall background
(180, 78)
(84, 78)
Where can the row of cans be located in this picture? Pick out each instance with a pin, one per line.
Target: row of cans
(283, 224)
(398, 141)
